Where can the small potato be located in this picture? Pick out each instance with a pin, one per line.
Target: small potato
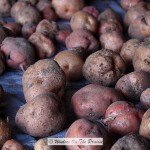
(127, 4)
(131, 142)
(91, 101)
(82, 38)
(103, 67)
(71, 62)
(28, 30)
(128, 50)
(13, 28)
(83, 128)
(42, 144)
(83, 20)
(133, 84)
(18, 52)
(45, 115)
(48, 28)
(45, 47)
(112, 40)
(141, 58)
(43, 76)
(91, 10)
(145, 125)
(134, 12)
(123, 118)
(65, 9)
(13, 145)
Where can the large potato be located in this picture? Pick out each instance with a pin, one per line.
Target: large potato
(103, 67)
(91, 101)
(67, 8)
(133, 84)
(43, 76)
(45, 115)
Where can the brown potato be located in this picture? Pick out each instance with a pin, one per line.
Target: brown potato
(112, 40)
(45, 47)
(45, 115)
(13, 145)
(19, 53)
(71, 62)
(145, 125)
(84, 20)
(123, 118)
(128, 50)
(131, 142)
(83, 128)
(133, 84)
(67, 8)
(103, 67)
(50, 78)
(91, 101)
(82, 38)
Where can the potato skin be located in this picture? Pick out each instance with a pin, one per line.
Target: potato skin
(133, 84)
(130, 142)
(83, 20)
(13, 145)
(123, 118)
(50, 78)
(83, 128)
(45, 115)
(103, 67)
(66, 8)
(82, 38)
(91, 101)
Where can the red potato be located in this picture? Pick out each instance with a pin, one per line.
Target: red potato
(83, 128)
(82, 38)
(123, 118)
(91, 10)
(91, 101)
(45, 47)
(18, 52)
(133, 84)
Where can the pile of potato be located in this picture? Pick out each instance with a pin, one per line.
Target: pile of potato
(115, 102)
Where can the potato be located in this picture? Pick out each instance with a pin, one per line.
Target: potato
(128, 50)
(19, 53)
(141, 58)
(24, 13)
(82, 38)
(13, 28)
(133, 84)
(145, 125)
(65, 9)
(45, 115)
(13, 145)
(43, 76)
(48, 28)
(32, 2)
(91, 101)
(45, 47)
(134, 12)
(71, 62)
(112, 40)
(28, 30)
(127, 4)
(42, 4)
(131, 142)
(83, 128)
(123, 118)
(5, 131)
(140, 28)
(42, 144)
(91, 10)
(2, 63)
(83, 20)
(103, 67)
